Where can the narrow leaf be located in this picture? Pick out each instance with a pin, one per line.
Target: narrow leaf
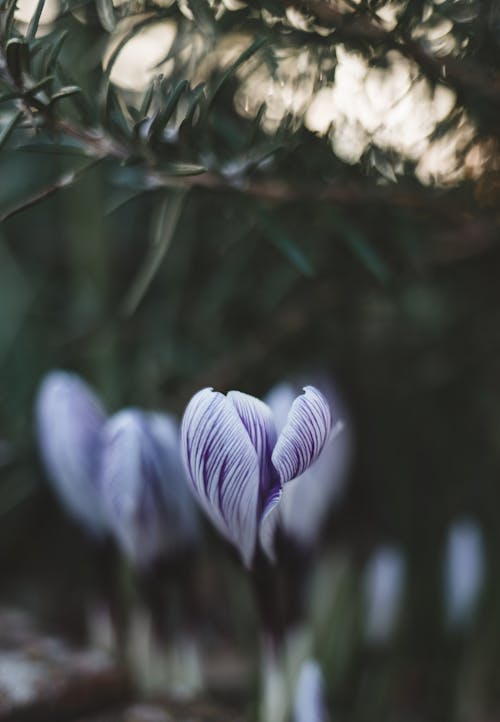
(118, 113)
(104, 90)
(195, 101)
(42, 84)
(17, 58)
(106, 14)
(64, 181)
(9, 18)
(8, 129)
(284, 243)
(51, 148)
(65, 92)
(10, 96)
(148, 97)
(165, 113)
(362, 248)
(163, 231)
(122, 199)
(203, 15)
(35, 20)
(183, 169)
(54, 51)
(245, 55)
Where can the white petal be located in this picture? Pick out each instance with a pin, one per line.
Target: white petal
(309, 703)
(384, 587)
(464, 571)
(280, 400)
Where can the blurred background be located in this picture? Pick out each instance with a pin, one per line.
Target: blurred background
(321, 196)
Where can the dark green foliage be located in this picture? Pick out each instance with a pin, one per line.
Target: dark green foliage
(163, 240)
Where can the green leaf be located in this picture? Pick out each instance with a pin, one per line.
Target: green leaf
(52, 148)
(118, 113)
(64, 181)
(121, 199)
(280, 238)
(106, 14)
(245, 55)
(165, 113)
(42, 84)
(104, 90)
(65, 92)
(17, 57)
(148, 97)
(35, 20)
(8, 129)
(54, 52)
(183, 169)
(10, 96)
(9, 18)
(203, 15)
(163, 229)
(196, 100)
(362, 248)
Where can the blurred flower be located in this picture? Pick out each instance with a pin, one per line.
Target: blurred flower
(464, 571)
(143, 56)
(384, 586)
(147, 502)
(307, 500)
(238, 464)
(69, 420)
(309, 703)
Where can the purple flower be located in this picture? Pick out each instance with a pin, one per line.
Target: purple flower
(464, 571)
(69, 420)
(238, 464)
(309, 704)
(147, 502)
(307, 500)
(385, 580)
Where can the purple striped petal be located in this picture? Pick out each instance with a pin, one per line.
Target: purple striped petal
(223, 467)
(307, 500)
(270, 520)
(258, 420)
(69, 420)
(140, 486)
(304, 435)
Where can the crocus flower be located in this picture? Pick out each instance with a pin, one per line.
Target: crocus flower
(69, 420)
(147, 502)
(384, 587)
(238, 464)
(307, 500)
(309, 703)
(464, 571)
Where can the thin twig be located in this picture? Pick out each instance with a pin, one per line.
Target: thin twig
(64, 181)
